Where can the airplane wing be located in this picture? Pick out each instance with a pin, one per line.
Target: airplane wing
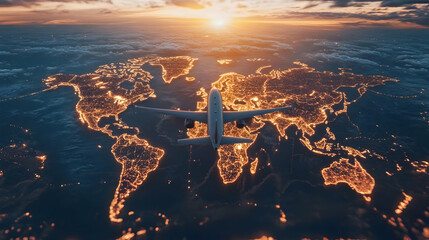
(196, 116)
(229, 116)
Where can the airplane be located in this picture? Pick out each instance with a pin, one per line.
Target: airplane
(215, 118)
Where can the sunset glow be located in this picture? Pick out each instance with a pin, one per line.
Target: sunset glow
(218, 22)
(219, 13)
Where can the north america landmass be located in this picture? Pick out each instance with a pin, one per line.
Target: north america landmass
(315, 95)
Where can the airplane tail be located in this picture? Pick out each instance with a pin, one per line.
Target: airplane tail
(232, 140)
(196, 141)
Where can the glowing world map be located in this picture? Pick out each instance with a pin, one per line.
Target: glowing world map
(314, 94)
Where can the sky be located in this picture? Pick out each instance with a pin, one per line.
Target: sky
(346, 13)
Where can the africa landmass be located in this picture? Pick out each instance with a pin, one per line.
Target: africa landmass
(315, 96)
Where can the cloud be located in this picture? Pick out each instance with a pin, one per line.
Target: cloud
(418, 15)
(10, 72)
(4, 53)
(383, 3)
(403, 54)
(28, 3)
(336, 57)
(242, 46)
(194, 4)
(345, 52)
(415, 61)
(61, 21)
(406, 11)
(311, 5)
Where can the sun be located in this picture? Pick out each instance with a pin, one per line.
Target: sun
(219, 22)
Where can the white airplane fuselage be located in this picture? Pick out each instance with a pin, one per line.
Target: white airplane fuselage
(215, 118)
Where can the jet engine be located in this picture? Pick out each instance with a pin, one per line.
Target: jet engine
(240, 123)
(243, 122)
(189, 123)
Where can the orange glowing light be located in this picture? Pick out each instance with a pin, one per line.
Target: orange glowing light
(426, 232)
(127, 236)
(282, 216)
(264, 238)
(354, 175)
(41, 158)
(174, 67)
(403, 204)
(224, 61)
(421, 167)
(253, 166)
(190, 79)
